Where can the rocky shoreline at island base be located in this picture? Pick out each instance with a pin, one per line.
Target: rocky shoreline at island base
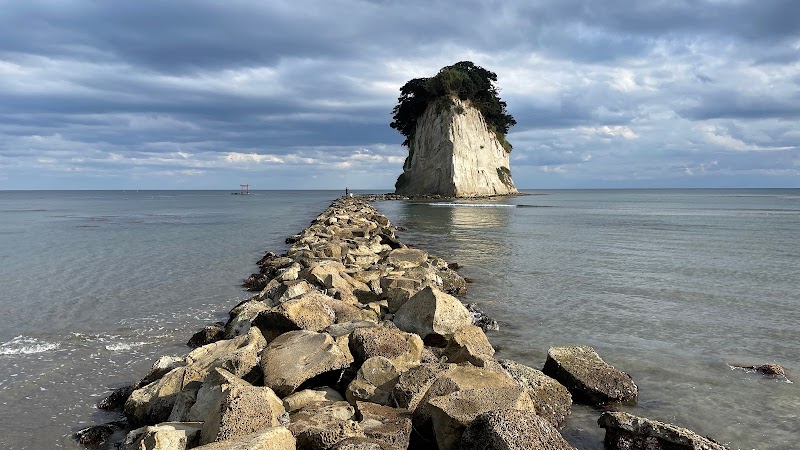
(355, 341)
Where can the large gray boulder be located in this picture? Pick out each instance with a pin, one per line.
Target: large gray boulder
(552, 400)
(628, 432)
(297, 356)
(153, 403)
(403, 349)
(320, 426)
(510, 429)
(374, 381)
(432, 313)
(306, 397)
(238, 356)
(413, 384)
(274, 438)
(587, 377)
(307, 312)
(389, 426)
(469, 344)
(452, 413)
(164, 436)
(241, 410)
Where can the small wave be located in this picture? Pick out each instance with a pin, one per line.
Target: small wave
(474, 205)
(122, 346)
(22, 345)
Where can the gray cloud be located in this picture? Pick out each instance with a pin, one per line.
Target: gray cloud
(202, 94)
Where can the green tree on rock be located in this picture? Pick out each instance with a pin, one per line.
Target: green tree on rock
(464, 80)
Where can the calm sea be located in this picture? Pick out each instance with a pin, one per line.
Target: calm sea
(671, 286)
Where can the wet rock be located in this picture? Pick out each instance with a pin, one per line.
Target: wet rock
(274, 438)
(770, 370)
(587, 377)
(511, 429)
(452, 413)
(255, 282)
(469, 344)
(480, 319)
(164, 436)
(452, 283)
(116, 400)
(161, 367)
(207, 335)
(320, 426)
(628, 432)
(551, 399)
(297, 356)
(432, 312)
(389, 426)
(97, 435)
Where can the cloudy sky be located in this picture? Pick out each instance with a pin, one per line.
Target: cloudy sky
(298, 95)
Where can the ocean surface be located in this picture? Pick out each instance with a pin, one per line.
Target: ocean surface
(671, 286)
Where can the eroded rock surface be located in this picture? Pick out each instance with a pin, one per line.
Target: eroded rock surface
(628, 432)
(587, 377)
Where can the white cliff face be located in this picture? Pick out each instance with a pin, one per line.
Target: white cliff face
(455, 154)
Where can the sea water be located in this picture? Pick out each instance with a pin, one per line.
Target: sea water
(672, 286)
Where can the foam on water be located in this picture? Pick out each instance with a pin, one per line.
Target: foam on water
(24, 345)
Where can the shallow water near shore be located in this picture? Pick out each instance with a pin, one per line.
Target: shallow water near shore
(670, 286)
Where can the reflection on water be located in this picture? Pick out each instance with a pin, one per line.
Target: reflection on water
(669, 286)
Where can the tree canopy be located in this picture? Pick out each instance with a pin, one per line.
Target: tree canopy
(464, 80)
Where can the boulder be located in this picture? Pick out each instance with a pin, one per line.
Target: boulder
(320, 426)
(116, 400)
(469, 344)
(96, 436)
(511, 429)
(587, 377)
(207, 397)
(374, 382)
(552, 400)
(457, 378)
(307, 312)
(274, 438)
(238, 356)
(164, 436)
(297, 356)
(452, 413)
(306, 397)
(628, 432)
(153, 403)
(358, 443)
(432, 312)
(207, 335)
(289, 290)
(452, 283)
(242, 316)
(161, 367)
(413, 384)
(389, 426)
(406, 258)
(403, 349)
(242, 410)
(346, 328)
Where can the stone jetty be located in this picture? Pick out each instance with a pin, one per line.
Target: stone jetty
(353, 340)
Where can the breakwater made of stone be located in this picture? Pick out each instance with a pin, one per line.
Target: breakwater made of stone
(354, 340)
